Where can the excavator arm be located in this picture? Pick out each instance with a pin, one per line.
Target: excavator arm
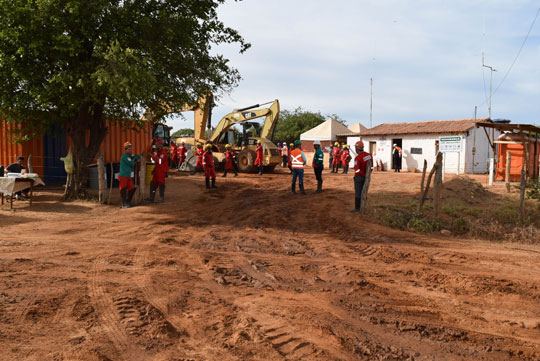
(202, 111)
(242, 115)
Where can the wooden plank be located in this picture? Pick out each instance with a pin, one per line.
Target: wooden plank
(507, 173)
(522, 194)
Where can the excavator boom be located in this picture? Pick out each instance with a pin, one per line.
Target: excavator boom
(242, 115)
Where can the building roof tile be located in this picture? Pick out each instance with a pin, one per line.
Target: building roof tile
(427, 127)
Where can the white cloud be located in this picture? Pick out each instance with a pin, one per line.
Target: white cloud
(425, 57)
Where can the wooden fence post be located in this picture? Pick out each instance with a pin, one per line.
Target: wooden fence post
(423, 177)
(507, 173)
(142, 179)
(426, 190)
(363, 197)
(102, 183)
(437, 185)
(522, 194)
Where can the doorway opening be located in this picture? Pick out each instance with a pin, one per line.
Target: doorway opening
(396, 156)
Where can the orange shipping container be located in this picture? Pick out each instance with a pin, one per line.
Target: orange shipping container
(512, 142)
(47, 150)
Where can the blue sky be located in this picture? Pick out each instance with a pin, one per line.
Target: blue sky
(425, 57)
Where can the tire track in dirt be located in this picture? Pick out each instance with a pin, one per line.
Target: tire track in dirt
(181, 324)
(144, 283)
(111, 320)
(289, 341)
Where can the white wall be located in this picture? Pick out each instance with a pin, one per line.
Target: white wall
(427, 143)
(477, 138)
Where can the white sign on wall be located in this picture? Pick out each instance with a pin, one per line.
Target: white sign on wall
(450, 144)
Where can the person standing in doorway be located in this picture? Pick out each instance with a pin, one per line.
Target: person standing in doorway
(396, 158)
(318, 164)
(298, 161)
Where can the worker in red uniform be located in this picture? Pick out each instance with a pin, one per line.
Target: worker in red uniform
(259, 158)
(181, 153)
(345, 159)
(230, 161)
(199, 153)
(336, 156)
(209, 167)
(361, 163)
(160, 172)
(173, 155)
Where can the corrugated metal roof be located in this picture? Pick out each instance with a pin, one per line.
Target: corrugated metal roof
(428, 127)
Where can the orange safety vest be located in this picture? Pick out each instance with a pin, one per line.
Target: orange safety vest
(296, 159)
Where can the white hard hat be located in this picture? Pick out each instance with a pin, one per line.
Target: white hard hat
(317, 142)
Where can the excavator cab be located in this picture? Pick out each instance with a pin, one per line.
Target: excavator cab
(250, 130)
(163, 132)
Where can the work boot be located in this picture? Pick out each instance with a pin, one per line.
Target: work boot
(123, 197)
(207, 182)
(319, 187)
(161, 193)
(293, 188)
(152, 192)
(356, 205)
(235, 173)
(130, 197)
(302, 191)
(214, 183)
(224, 174)
(260, 170)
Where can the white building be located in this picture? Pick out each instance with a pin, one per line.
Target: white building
(420, 140)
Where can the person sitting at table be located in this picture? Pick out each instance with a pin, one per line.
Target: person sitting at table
(17, 167)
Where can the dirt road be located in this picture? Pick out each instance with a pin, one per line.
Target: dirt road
(250, 272)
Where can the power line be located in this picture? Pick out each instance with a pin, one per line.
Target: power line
(519, 52)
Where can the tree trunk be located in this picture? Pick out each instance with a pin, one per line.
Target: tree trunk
(87, 131)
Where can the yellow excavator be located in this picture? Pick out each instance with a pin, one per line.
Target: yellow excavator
(243, 141)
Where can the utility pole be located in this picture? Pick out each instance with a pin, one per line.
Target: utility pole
(490, 83)
(492, 159)
(371, 105)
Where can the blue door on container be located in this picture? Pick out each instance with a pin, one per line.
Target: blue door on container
(54, 147)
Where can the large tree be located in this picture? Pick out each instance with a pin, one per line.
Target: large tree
(83, 63)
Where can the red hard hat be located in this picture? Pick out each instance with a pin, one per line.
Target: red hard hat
(359, 144)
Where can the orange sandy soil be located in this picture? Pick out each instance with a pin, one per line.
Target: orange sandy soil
(250, 272)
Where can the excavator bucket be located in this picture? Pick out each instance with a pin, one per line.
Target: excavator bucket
(190, 163)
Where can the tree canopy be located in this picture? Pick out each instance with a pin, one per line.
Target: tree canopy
(186, 132)
(80, 62)
(293, 123)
